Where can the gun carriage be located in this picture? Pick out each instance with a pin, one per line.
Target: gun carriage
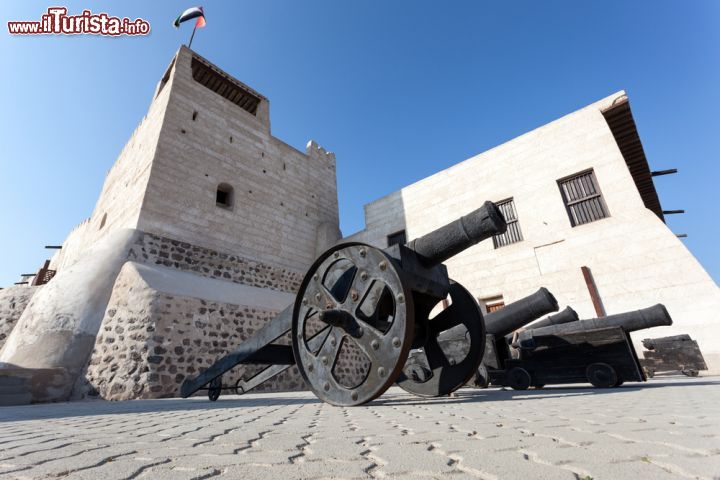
(598, 351)
(672, 354)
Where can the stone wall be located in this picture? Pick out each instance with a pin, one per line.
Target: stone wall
(155, 250)
(149, 341)
(13, 301)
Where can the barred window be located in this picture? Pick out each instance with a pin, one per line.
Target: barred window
(397, 237)
(513, 233)
(582, 197)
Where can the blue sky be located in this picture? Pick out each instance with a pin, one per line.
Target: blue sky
(399, 90)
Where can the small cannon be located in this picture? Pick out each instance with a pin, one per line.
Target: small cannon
(521, 312)
(375, 304)
(672, 354)
(598, 351)
(566, 316)
(501, 323)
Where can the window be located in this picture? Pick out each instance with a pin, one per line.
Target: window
(102, 221)
(492, 304)
(397, 237)
(224, 196)
(582, 197)
(513, 233)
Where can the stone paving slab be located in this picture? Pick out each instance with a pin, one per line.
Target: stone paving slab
(667, 428)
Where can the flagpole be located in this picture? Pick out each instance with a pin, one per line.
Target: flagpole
(191, 36)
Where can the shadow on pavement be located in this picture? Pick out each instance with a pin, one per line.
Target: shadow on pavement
(471, 395)
(392, 398)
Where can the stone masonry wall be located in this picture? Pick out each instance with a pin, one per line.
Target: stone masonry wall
(150, 341)
(13, 301)
(155, 250)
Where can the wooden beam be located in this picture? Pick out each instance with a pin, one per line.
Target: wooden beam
(594, 294)
(657, 173)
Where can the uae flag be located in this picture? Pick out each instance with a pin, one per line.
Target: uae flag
(189, 14)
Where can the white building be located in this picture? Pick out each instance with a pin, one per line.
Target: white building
(577, 193)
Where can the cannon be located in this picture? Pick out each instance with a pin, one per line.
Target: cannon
(598, 351)
(521, 312)
(370, 306)
(456, 343)
(566, 316)
(654, 316)
(501, 323)
(671, 354)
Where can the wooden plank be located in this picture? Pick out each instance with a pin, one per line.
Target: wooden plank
(592, 289)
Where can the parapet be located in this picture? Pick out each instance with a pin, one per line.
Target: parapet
(314, 150)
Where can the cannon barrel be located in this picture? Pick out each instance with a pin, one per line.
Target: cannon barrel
(654, 316)
(566, 316)
(520, 313)
(447, 241)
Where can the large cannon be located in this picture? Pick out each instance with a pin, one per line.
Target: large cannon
(376, 305)
(598, 351)
(654, 316)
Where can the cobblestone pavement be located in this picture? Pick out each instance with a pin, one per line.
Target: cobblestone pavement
(664, 429)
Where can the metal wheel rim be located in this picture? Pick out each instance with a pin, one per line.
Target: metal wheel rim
(387, 360)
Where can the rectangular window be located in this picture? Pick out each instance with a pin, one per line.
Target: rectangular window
(397, 237)
(492, 304)
(582, 197)
(513, 233)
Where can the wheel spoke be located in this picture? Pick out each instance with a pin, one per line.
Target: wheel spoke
(361, 287)
(435, 356)
(313, 289)
(444, 320)
(370, 335)
(328, 349)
